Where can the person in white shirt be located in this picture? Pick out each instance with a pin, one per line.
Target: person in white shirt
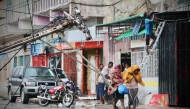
(97, 92)
(126, 66)
(101, 82)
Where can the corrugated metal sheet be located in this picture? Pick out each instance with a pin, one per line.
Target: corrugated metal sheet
(138, 37)
(151, 70)
(174, 64)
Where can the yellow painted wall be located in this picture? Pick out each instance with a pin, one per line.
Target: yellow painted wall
(90, 53)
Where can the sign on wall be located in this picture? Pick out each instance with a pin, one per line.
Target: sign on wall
(3, 55)
(159, 100)
(65, 46)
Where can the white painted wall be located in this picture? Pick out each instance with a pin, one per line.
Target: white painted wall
(79, 36)
(79, 70)
(151, 86)
(5, 73)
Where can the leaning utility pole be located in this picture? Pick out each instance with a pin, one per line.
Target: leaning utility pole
(60, 24)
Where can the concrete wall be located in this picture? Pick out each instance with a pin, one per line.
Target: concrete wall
(3, 6)
(106, 50)
(91, 11)
(123, 9)
(151, 86)
(5, 73)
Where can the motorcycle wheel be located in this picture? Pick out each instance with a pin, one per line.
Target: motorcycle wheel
(68, 99)
(43, 102)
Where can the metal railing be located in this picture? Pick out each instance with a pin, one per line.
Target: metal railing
(151, 70)
(20, 6)
(40, 5)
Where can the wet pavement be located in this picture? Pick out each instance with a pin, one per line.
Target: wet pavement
(87, 104)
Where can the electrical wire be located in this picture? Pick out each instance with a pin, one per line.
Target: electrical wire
(95, 5)
(37, 31)
(67, 55)
(11, 58)
(27, 13)
(31, 17)
(20, 83)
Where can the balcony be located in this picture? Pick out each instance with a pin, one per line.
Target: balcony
(45, 7)
(184, 2)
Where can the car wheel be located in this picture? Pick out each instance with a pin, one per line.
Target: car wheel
(24, 97)
(11, 97)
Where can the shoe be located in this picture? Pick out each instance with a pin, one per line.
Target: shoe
(106, 103)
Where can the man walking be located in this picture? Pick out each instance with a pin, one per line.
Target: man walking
(148, 32)
(101, 82)
(97, 92)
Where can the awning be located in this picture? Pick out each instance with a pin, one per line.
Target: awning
(125, 35)
(121, 20)
(143, 30)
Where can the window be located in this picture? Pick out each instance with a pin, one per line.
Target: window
(15, 62)
(16, 73)
(27, 61)
(21, 62)
(8, 2)
(61, 72)
(39, 72)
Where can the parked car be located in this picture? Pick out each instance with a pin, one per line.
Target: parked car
(62, 75)
(25, 82)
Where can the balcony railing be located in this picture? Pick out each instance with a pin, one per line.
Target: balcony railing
(22, 6)
(17, 5)
(40, 5)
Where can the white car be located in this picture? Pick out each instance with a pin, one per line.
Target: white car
(61, 73)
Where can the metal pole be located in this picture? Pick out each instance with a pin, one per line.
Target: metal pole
(66, 54)
(90, 64)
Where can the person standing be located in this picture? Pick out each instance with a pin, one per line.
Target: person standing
(126, 66)
(132, 76)
(101, 82)
(116, 80)
(97, 92)
(149, 28)
(123, 66)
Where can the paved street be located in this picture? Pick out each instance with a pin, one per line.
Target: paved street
(89, 105)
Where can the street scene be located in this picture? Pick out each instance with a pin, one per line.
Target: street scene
(94, 54)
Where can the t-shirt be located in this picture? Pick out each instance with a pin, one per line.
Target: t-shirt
(148, 26)
(104, 71)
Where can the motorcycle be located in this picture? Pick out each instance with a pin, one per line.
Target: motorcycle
(58, 93)
(76, 91)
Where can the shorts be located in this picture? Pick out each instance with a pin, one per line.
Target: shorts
(148, 38)
(101, 89)
(117, 96)
(97, 93)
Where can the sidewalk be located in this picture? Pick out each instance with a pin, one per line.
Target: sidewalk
(88, 104)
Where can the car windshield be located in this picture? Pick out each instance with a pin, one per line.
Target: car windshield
(39, 72)
(61, 72)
